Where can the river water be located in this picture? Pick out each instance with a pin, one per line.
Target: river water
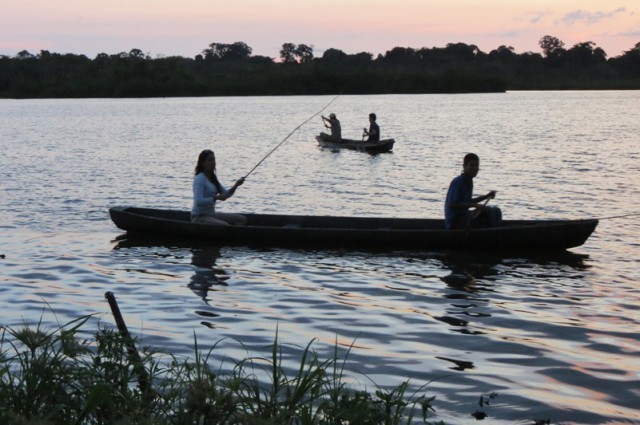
(556, 336)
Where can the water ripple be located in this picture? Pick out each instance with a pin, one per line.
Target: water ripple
(557, 336)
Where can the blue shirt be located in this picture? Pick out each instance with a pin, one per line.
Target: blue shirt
(460, 190)
(373, 127)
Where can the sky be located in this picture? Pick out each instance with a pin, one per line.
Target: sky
(187, 27)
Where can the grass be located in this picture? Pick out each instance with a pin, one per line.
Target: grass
(57, 377)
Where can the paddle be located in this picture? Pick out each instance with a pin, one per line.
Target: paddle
(476, 213)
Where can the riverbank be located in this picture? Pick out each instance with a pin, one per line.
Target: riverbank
(62, 377)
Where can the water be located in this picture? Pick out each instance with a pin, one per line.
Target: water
(556, 336)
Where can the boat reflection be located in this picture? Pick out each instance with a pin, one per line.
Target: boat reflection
(474, 271)
(474, 277)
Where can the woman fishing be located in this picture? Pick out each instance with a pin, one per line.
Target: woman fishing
(207, 189)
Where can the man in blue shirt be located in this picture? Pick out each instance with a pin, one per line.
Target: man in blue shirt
(460, 199)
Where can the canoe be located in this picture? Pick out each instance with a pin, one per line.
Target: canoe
(381, 146)
(371, 233)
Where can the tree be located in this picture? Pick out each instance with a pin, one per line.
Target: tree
(238, 50)
(400, 55)
(630, 59)
(137, 54)
(334, 55)
(361, 58)
(230, 69)
(304, 53)
(551, 46)
(288, 53)
(503, 53)
(24, 54)
(463, 51)
(586, 54)
(222, 51)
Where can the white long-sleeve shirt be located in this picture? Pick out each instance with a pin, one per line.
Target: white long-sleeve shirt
(204, 196)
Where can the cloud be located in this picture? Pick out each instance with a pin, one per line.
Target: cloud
(630, 34)
(580, 15)
(537, 17)
(533, 17)
(509, 34)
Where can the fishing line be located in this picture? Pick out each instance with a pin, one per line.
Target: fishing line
(619, 216)
(290, 134)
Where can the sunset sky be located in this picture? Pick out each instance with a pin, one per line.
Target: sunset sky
(186, 27)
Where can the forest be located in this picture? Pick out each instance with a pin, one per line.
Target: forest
(231, 70)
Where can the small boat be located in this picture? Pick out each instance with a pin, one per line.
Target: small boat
(369, 233)
(380, 146)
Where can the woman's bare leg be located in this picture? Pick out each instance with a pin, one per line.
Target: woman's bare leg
(205, 219)
(236, 219)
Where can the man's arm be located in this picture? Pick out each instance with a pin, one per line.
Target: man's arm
(489, 195)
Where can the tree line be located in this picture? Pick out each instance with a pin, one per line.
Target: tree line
(232, 70)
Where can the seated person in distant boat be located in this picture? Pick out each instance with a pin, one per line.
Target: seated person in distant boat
(373, 134)
(460, 199)
(207, 189)
(334, 125)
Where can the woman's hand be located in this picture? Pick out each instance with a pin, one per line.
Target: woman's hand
(231, 191)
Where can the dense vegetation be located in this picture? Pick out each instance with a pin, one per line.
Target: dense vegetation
(60, 377)
(230, 69)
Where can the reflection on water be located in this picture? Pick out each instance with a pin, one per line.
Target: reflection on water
(206, 276)
(556, 336)
(473, 278)
(514, 324)
(468, 268)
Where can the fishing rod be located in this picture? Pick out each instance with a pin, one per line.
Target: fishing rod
(290, 134)
(618, 216)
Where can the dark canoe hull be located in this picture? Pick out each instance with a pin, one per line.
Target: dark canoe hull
(380, 146)
(357, 232)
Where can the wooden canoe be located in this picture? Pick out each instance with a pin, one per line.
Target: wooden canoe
(357, 232)
(381, 146)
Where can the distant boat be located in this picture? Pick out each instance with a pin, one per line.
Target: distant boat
(380, 146)
(356, 232)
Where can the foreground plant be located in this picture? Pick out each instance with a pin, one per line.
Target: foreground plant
(56, 377)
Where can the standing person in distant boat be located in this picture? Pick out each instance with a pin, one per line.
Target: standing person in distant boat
(334, 125)
(374, 130)
(460, 199)
(207, 189)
